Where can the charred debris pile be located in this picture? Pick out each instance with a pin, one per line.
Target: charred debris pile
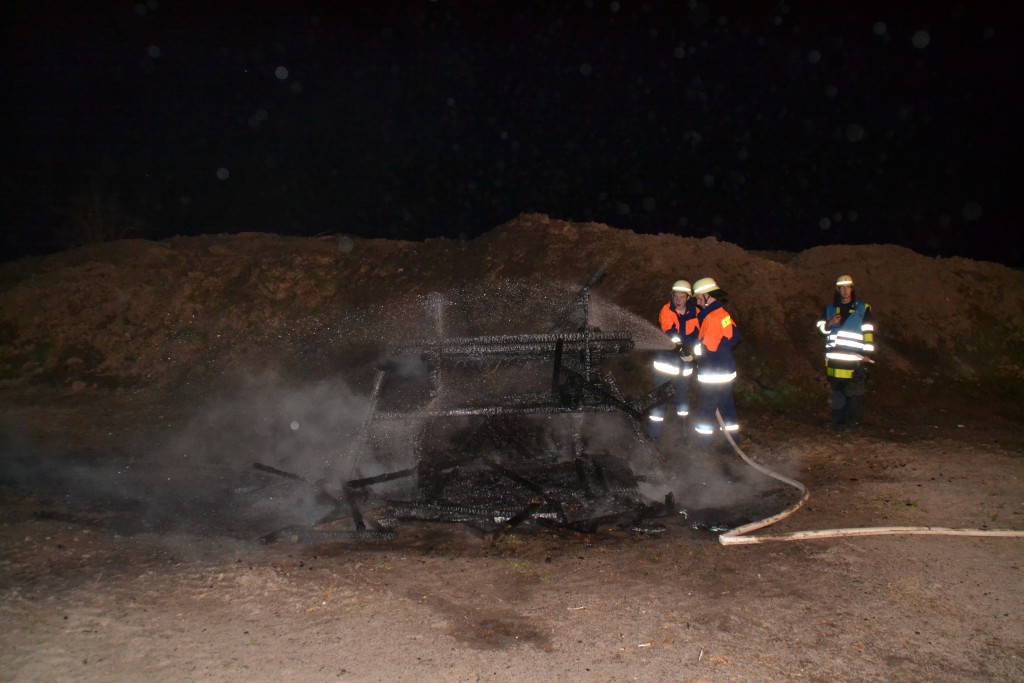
(500, 431)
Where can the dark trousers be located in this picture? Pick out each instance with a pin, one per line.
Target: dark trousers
(715, 397)
(848, 398)
(681, 386)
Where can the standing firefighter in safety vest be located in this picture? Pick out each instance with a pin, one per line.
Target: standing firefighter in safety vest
(716, 367)
(849, 343)
(678, 320)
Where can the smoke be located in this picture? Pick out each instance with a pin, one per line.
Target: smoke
(198, 475)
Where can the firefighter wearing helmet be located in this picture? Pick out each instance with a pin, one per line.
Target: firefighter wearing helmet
(849, 343)
(678, 320)
(716, 367)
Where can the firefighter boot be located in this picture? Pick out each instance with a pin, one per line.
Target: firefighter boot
(854, 411)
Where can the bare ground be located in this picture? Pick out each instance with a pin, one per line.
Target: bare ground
(117, 566)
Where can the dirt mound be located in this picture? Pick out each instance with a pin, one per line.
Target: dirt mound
(190, 311)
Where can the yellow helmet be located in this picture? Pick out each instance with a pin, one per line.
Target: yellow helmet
(844, 281)
(705, 285)
(682, 286)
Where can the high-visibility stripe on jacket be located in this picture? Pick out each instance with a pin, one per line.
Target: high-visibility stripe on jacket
(718, 334)
(847, 343)
(681, 328)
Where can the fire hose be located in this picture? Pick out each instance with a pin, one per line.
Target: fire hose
(738, 536)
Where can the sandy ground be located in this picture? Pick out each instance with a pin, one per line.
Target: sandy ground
(88, 595)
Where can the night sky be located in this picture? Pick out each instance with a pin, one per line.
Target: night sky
(774, 125)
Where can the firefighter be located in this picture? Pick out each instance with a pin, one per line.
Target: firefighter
(716, 367)
(849, 343)
(678, 320)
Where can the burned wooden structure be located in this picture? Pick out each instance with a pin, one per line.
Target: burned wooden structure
(498, 424)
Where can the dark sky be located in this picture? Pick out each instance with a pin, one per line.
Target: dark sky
(774, 125)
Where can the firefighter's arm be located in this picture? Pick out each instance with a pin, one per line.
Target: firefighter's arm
(867, 328)
(867, 331)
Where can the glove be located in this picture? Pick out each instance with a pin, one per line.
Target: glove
(684, 353)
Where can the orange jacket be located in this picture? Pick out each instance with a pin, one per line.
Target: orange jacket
(718, 334)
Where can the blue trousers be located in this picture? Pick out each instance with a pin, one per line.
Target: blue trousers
(716, 396)
(656, 416)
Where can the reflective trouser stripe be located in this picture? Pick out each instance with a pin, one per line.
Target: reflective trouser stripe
(666, 368)
(716, 378)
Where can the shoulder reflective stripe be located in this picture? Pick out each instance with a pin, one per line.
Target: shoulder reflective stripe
(821, 326)
(715, 378)
(666, 368)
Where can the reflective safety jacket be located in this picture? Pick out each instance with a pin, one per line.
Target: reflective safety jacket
(681, 328)
(849, 342)
(718, 335)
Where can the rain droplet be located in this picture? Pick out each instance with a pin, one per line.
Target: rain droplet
(855, 132)
(972, 211)
(879, 28)
(281, 73)
(294, 425)
(921, 39)
(153, 51)
(222, 173)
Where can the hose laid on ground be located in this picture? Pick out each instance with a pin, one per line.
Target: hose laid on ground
(738, 536)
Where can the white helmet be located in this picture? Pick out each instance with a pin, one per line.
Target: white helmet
(682, 286)
(844, 281)
(705, 285)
